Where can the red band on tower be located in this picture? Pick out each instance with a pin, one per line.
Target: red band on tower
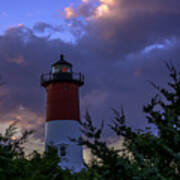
(62, 102)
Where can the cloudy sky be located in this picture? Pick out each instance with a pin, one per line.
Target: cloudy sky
(118, 44)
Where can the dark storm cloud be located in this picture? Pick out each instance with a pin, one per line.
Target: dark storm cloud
(42, 27)
(35, 54)
(111, 54)
(112, 51)
(161, 6)
(23, 57)
(131, 26)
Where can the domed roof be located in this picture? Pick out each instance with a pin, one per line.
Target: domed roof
(61, 61)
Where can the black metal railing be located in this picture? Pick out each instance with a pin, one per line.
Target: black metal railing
(62, 77)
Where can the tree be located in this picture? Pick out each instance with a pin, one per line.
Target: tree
(145, 155)
(15, 165)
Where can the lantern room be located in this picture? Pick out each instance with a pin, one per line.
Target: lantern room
(61, 66)
(61, 71)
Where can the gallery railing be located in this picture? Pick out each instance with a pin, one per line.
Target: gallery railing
(62, 77)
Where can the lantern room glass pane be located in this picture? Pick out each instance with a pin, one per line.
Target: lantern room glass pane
(56, 69)
(61, 68)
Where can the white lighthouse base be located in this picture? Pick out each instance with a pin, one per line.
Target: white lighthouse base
(57, 133)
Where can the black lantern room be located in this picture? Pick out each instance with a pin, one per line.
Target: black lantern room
(61, 71)
(61, 66)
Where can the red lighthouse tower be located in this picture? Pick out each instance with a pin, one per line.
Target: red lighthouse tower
(62, 112)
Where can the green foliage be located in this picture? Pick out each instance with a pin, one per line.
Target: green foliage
(144, 154)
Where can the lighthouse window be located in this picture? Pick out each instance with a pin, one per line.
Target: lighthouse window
(55, 69)
(62, 150)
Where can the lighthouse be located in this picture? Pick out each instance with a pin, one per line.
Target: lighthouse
(63, 113)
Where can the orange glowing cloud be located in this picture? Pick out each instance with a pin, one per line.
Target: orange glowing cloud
(69, 12)
(97, 12)
(20, 25)
(119, 10)
(11, 27)
(85, 1)
(26, 118)
(109, 2)
(102, 10)
(108, 8)
(91, 9)
(19, 59)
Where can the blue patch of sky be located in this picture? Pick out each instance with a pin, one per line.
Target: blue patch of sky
(152, 47)
(65, 36)
(165, 44)
(28, 13)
